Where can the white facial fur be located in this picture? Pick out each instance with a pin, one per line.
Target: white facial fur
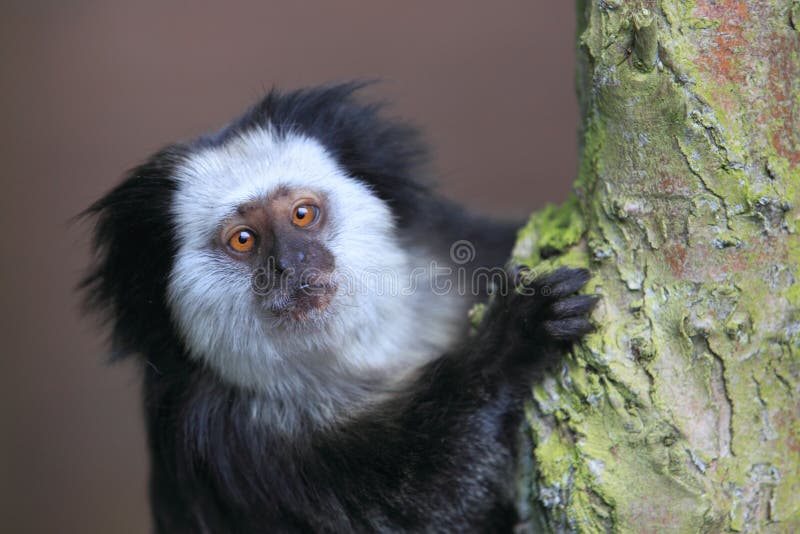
(367, 328)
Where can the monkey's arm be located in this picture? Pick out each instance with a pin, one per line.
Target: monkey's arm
(439, 458)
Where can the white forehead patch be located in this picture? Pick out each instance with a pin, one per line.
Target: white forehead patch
(366, 327)
(214, 182)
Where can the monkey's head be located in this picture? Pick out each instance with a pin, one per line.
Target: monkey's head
(261, 246)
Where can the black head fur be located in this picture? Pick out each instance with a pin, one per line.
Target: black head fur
(388, 155)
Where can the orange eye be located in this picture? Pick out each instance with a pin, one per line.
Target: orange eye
(304, 215)
(242, 240)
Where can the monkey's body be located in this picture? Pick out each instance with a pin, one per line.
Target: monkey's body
(327, 421)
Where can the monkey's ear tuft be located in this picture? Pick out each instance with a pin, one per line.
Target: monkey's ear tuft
(133, 249)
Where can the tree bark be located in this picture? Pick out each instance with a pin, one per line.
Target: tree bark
(681, 413)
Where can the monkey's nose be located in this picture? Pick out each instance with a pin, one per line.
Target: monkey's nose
(289, 262)
(282, 264)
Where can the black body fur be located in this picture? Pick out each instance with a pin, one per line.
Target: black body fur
(437, 457)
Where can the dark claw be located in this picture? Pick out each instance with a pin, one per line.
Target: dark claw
(518, 273)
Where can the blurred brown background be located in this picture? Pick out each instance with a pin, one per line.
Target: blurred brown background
(88, 89)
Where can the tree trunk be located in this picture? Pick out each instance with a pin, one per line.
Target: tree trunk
(682, 413)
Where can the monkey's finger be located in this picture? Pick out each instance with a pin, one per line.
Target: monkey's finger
(562, 282)
(569, 329)
(575, 306)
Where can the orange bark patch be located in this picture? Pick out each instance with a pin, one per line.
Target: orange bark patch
(671, 185)
(783, 74)
(719, 58)
(785, 419)
(735, 262)
(676, 258)
(751, 35)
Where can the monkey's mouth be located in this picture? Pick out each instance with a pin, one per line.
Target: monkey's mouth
(299, 301)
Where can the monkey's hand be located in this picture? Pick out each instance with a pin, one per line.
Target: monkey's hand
(548, 309)
(537, 322)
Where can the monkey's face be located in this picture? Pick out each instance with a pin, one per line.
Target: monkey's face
(277, 250)
(281, 240)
